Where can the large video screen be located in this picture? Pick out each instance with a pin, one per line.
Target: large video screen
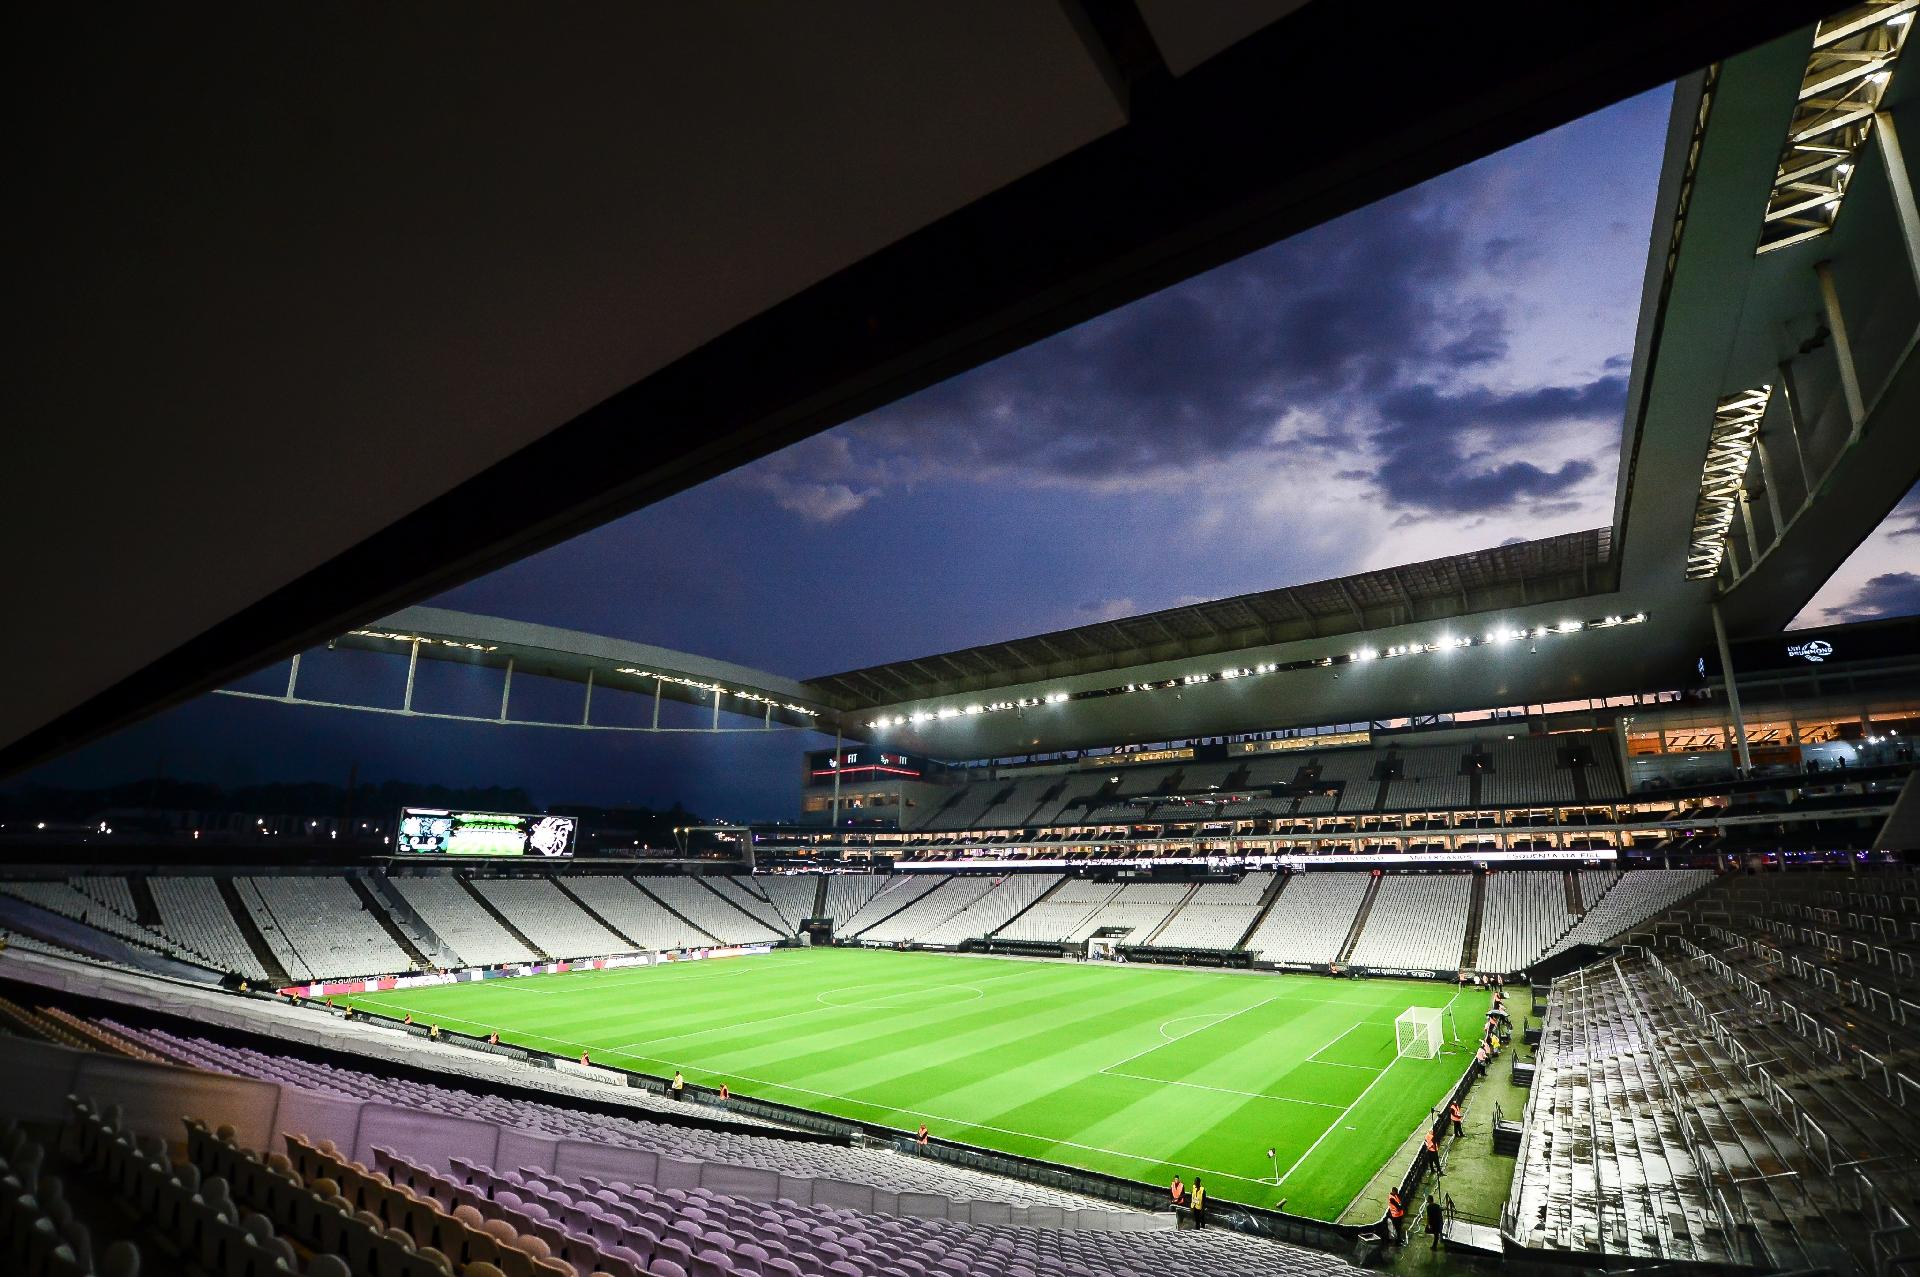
(431, 831)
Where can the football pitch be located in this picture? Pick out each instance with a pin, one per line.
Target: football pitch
(1140, 1072)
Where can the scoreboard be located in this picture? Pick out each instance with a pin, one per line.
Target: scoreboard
(434, 831)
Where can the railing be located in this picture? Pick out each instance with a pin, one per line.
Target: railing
(1733, 1223)
(1894, 1234)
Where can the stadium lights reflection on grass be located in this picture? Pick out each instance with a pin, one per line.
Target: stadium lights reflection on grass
(1445, 643)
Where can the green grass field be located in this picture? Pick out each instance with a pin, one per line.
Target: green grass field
(1134, 1071)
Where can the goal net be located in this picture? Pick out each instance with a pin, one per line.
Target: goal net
(1417, 1032)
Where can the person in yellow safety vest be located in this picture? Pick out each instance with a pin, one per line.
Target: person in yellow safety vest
(1199, 1202)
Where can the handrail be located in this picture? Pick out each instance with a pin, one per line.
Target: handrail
(1868, 1192)
(1670, 1090)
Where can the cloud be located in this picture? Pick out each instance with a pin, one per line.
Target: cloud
(1105, 610)
(820, 479)
(1362, 362)
(1432, 462)
(1904, 520)
(1887, 595)
(1874, 581)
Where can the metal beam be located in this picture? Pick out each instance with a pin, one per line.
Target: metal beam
(568, 726)
(413, 662)
(1733, 690)
(1790, 396)
(1842, 348)
(1900, 182)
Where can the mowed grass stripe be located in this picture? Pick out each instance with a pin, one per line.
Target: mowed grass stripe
(1135, 1071)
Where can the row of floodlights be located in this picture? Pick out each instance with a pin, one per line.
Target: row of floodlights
(1446, 643)
(720, 690)
(422, 638)
(637, 673)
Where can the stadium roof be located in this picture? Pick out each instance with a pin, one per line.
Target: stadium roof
(609, 664)
(303, 356)
(1572, 566)
(1584, 615)
(1768, 432)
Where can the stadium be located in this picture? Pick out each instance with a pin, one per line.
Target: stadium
(1548, 906)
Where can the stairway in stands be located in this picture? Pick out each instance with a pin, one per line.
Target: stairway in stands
(742, 910)
(662, 902)
(1030, 904)
(146, 910)
(1470, 950)
(1168, 920)
(424, 938)
(1359, 920)
(1582, 792)
(256, 941)
(1274, 889)
(591, 912)
(819, 898)
(371, 903)
(503, 920)
(1570, 882)
(1046, 803)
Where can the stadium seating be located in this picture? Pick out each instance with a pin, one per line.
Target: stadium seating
(194, 914)
(62, 898)
(745, 893)
(1525, 771)
(1633, 898)
(1608, 1160)
(848, 893)
(1595, 883)
(550, 918)
(1522, 915)
(877, 1168)
(1311, 919)
(1688, 1153)
(791, 895)
(1061, 913)
(317, 929)
(1139, 907)
(1217, 915)
(706, 909)
(1417, 920)
(1763, 1110)
(639, 916)
(933, 908)
(891, 895)
(745, 1237)
(469, 930)
(990, 910)
(1548, 772)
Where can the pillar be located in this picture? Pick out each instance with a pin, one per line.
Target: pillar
(1733, 691)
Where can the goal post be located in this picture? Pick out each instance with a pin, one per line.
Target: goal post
(1417, 1033)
